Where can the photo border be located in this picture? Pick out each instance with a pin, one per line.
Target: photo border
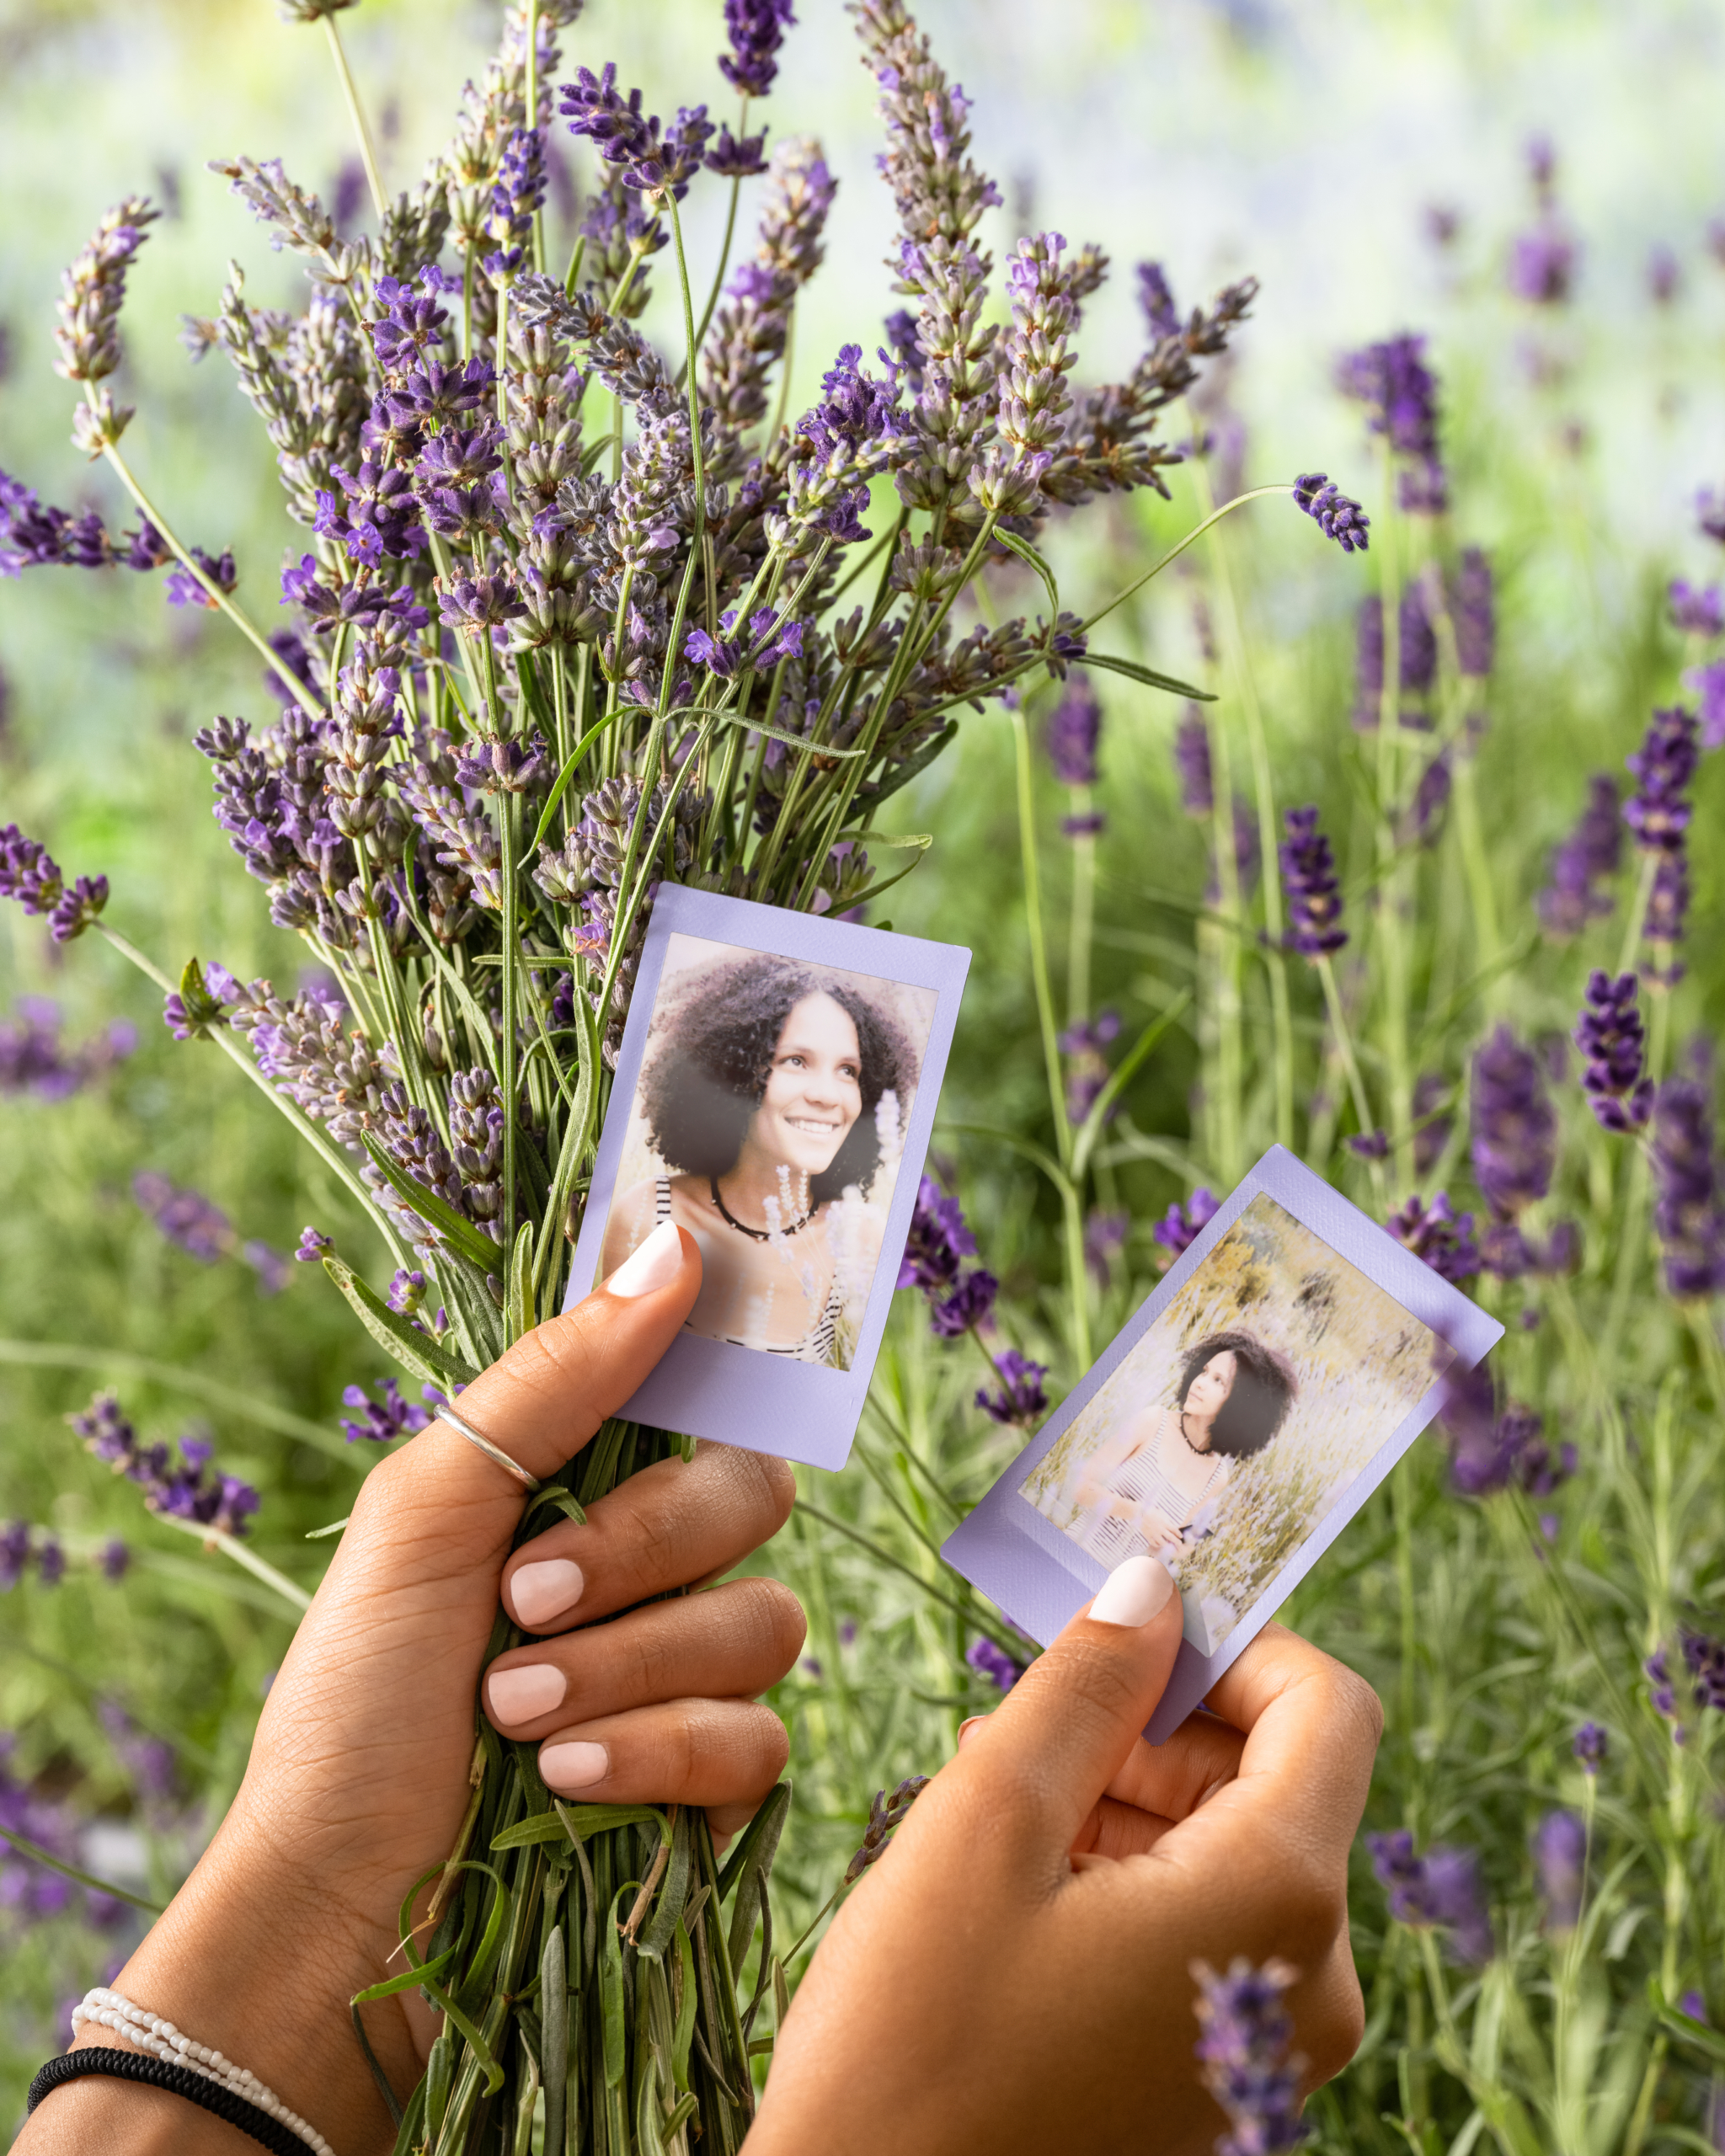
(1023, 1563)
(704, 1388)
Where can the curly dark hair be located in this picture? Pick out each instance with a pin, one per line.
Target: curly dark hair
(1264, 1390)
(708, 1074)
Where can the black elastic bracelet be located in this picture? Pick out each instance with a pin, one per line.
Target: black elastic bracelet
(136, 2066)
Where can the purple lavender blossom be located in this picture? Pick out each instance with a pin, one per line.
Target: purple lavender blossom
(969, 1308)
(1160, 315)
(182, 589)
(1019, 1399)
(1704, 1658)
(1440, 1888)
(313, 1244)
(188, 1489)
(1658, 811)
(1708, 683)
(1089, 1074)
(1309, 880)
(1560, 1859)
(1687, 1211)
(29, 874)
(994, 1663)
(1542, 263)
(34, 1060)
(938, 1240)
(755, 29)
(1593, 851)
(1075, 733)
(271, 1267)
(1337, 515)
(1192, 764)
(1473, 610)
(1611, 1035)
(383, 1420)
(1591, 1746)
(1696, 609)
(1104, 1236)
(14, 1554)
(1431, 1095)
(1244, 2052)
(1181, 1225)
(115, 1559)
(407, 1292)
(1401, 394)
(188, 1219)
(1514, 1125)
(1438, 1237)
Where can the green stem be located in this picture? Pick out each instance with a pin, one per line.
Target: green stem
(1082, 926)
(212, 590)
(1230, 1055)
(1343, 1039)
(1173, 554)
(296, 1598)
(1488, 942)
(699, 523)
(1638, 913)
(511, 993)
(38, 1855)
(724, 251)
(349, 90)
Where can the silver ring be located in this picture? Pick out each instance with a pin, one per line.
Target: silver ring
(529, 1482)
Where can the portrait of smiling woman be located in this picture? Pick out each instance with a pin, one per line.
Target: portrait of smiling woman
(769, 1121)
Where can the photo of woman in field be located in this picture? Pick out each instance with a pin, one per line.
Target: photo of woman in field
(1238, 1418)
(768, 1121)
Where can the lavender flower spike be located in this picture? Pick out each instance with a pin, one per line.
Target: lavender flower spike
(1075, 733)
(1611, 1035)
(1337, 515)
(1591, 1746)
(30, 875)
(1309, 880)
(1594, 850)
(1244, 2052)
(756, 29)
(992, 1661)
(1440, 1888)
(1658, 812)
(1019, 1399)
(1181, 1225)
(1687, 1211)
(1560, 1857)
(1515, 1126)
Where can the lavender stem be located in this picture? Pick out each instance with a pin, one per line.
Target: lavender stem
(349, 90)
(1173, 554)
(296, 1598)
(1343, 1039)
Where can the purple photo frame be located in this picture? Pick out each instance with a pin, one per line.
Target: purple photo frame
(704, 1387)
(1022, 1561)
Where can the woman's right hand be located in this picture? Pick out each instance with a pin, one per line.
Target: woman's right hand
(1015, 1973)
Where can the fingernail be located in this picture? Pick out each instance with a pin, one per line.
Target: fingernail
(543, 1591)
(524, 1693)
(1133, 1592)
(969, 1727)
(574, 1766)
(656, 1264)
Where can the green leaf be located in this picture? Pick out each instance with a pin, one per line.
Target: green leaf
(563, 1501)
(1147, 675)
(519, 1315)
(656, 1938)
(419, 1355)
(409, 1979)
(1026, 553)
(554, 2036)
(750, 1863)
(478, 1250)
(336, 1526)
(1680, 2025)
(1118, 1079)
(565, 775)
(610, 1993)
(683, 2035)
(914, 841)
(580, 1822)
(780, 733)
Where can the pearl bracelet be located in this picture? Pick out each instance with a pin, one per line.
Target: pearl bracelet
(107, 2009)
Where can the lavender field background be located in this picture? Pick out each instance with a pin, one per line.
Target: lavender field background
(1550, 1565)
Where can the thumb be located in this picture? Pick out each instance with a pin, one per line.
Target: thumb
(1066, 1727)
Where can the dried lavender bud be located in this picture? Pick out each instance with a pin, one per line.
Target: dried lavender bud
(1336, 515)
(1514, 1125)
(1019, 1398)
(1309, 880)
(884, 1813)
(93, 290)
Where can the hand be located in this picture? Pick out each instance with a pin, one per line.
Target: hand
(358, 1775)
(1158, 1529)
(1014, 1974)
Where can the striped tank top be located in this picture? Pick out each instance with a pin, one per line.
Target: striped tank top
(817, 1344)
(1142, 1479)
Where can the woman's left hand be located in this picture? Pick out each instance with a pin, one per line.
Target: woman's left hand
(358, 1775)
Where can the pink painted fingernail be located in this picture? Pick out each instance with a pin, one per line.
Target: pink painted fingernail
(574, 1766)
(1133, 1592)
(524, 1694)
(656, 1264)
(546, 1590)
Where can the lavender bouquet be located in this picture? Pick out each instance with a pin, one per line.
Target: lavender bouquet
(574, 617)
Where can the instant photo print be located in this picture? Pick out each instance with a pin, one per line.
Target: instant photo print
(774, 1095)
(1233, 1427)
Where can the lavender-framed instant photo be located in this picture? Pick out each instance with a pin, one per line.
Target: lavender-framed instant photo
(774, 1095)
(1234, 1425)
